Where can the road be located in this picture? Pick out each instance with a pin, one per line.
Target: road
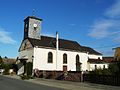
(14, 84)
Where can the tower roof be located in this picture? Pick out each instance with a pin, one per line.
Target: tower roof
(33, 17)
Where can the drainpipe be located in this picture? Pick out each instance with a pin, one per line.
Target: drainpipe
(57, 43)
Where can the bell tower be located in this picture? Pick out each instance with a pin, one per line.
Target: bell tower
(32, 27)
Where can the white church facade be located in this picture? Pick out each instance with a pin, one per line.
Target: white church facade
(53, 53)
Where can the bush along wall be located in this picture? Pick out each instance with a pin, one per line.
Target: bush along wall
(29, 66)
(110, 76)
(28, 71)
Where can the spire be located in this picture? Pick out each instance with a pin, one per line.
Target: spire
(33, 12)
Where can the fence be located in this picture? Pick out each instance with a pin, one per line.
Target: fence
(59, 75)
(73, 76)
(102, 79)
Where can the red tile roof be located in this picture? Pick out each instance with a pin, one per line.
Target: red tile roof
(99, 61)
(108, 59)
(96, 61)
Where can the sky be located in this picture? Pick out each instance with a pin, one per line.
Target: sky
(92, 23)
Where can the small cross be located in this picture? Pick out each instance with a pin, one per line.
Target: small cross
(33, 12)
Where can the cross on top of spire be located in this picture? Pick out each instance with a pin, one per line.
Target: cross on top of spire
(33, 12)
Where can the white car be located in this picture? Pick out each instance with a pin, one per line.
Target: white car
(1, 71)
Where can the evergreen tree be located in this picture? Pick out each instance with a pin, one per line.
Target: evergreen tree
(1, 62)
(115, 68)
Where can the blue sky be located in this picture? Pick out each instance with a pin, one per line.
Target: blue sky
(93, 23)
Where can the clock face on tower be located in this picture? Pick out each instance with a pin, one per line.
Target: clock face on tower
(32, 27)
(35, 26)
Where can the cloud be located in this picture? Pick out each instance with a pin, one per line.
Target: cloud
(48, 34)
(72, 24)
(5, 37)
(117, 39)
(108, 52)
(103, 28)
(108, 26)
(114, 10)
(100, 29)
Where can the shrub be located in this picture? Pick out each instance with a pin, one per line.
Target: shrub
(114, 68)
(26, 77)
(100, 72)
(7, 67)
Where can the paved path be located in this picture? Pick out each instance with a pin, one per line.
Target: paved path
(69, 85)
(15, 84)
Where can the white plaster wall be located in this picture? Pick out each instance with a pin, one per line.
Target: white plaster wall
(20, 71)
(41, 54)
(71, 57)
(40, 59)
(92, 56)
(26, 53)
(99, 66)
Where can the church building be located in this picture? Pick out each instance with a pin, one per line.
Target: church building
(52, 53)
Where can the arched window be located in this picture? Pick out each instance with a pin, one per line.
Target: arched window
(77, 59)
(78, 64)
(50, 57)
(65, 58)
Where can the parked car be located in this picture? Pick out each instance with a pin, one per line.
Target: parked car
(1, 71)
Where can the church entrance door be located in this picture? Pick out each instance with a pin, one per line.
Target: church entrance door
(64, 68)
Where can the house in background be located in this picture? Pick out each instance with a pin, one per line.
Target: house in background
(52, 53)
(117, 54)
(108, 59)
(9, 60)
(99, 63)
